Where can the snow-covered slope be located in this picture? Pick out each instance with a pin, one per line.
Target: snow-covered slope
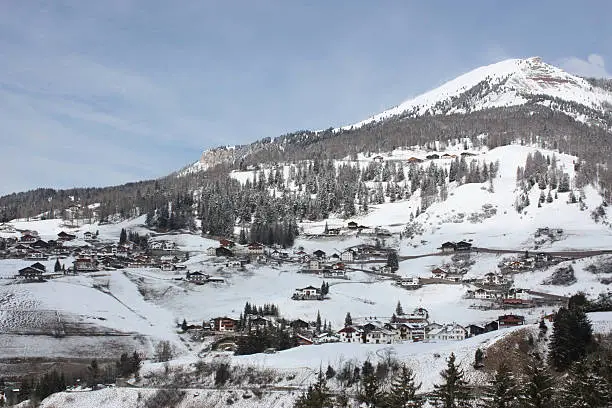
(507, 83)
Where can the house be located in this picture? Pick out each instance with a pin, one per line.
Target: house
(256, 248)
(223, 251)
(299, 324)
(32, 273)
(410, 283)
(319, 254)
(491, 326)
(39, 244)
(486, 294)
(324, 338)
(350, 334)
(448, 332)
(415, 160)
(447, 156)
(333, 231)
(169, 258)
(378, 159)
(224, 324)
(463, 246)
(347, 256)
(334, 273)
(468, 154)
(438, 273)
(258, 322)
(352, 225)
(212, 251)
(475, 330)
(379, 336)
(516, 293)
(19, 249)
(88, 236)
(510, 320)
(303, 340)
(382, 232)
(167, 266)
(35, 255)
(85, 264)
(64, 236)
(494, 279)
(432, 156)
(169, 246)
(156, 245)
(448, 247)
(28, 239)
(307, 293)
(226, 243)
(315, 264)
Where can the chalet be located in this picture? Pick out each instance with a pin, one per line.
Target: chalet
(352, 225)
(169, 259)
(448, 247)
(324, 338)
(491, 326)
(64, 236)
(468, 154)
(379, 336)
(386, 269)
(307, 293)
(334, 258)
(333, 231)
(156, 245)
(28, 239)
(88, 236)
(315, 264)
(84, 265)
(516, 293)
(255, 248)
(35, 255)
(447, 156)
(258, 322)
(39, 244)
(350, 334)
(347, 256)
(169, 246)
(432, 156)
(29, 232)
(19, 249)
(463, 246)
(32, 273)
(378, 159)
(382, 232)
(410, 283)
(303, 340)
(319, 254)
(448, 332)
(475, 330)
(454, 277)
(510, 320)
(486, 294)
(438, 273)
(299, 324)
(334, 273)
(212, 251)
(167, 266)
(414, 160)
(494, 279)
(226, 243)
(224, 324)
(223, 251)
(215, 279)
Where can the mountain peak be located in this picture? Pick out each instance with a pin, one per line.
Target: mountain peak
(506, 83)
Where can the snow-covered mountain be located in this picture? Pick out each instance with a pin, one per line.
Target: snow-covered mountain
(515, 83)
(507, 83)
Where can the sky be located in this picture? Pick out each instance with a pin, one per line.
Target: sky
(96, 93)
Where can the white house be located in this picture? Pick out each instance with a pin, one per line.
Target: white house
(448, 332)
(315, 264)
(350, 334)
(379, 336)
(486, 294)
(347, 256)
(307, 293)
(326, 338)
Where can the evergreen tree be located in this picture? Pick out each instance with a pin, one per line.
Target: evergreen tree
(503, 391)
(399, 311)
(393, 261)
(370, 392)
(94, 372)
(403, 391)
(585, 387)
(318, 322)
(184, 325)
(122, 236)
(58, 266)
(572, 335)
(454, 391)
(478, 357)
(537, 388)
(348, 320)
(318, 395)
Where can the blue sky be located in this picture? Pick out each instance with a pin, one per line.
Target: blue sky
(100, 93)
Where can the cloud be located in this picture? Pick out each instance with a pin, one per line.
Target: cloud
(593, 66)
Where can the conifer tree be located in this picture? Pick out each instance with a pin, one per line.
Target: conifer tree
(122, 236)
(348, 320)
(370, 392)
(571, 336)
(58, 266)
(399, 311)
(393, 261)
(454, 391)
(318, 322)
(537, 388)
(503, 392)
(318, 395)
(403, 391)
(585, 387)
